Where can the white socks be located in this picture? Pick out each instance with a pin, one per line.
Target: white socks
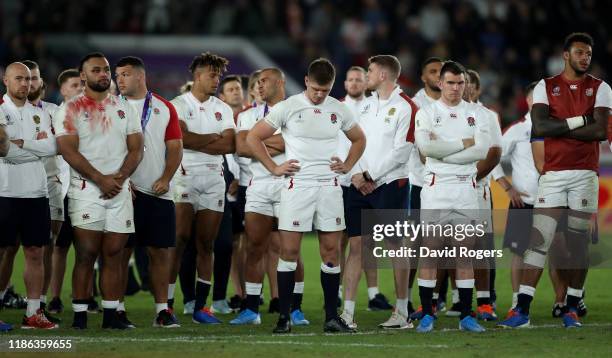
(372, 292)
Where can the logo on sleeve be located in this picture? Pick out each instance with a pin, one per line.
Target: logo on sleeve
(471, 121)
(121, 114)
(218, 116)
(333, 118)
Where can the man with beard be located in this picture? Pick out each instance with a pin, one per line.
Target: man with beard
(54, 184)
(24, 207)
(379, 180)
(100, 137)
(199, 189)
(153, 207)
(570, 110)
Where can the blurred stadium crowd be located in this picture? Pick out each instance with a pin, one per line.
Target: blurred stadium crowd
(510, 42)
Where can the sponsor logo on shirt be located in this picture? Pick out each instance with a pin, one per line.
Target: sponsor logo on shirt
(333, 118)
(296, 223)
(471, 121)
(588, 92)
(317, 111)
(202, 109)
(573, 87)
(453, 115)
(556, 91)
(391, 111)
(365, 109)
(121, 114)
(85, 216)
(185, 195)
(218, 116)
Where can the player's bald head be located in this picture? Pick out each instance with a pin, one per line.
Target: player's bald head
(14, 68)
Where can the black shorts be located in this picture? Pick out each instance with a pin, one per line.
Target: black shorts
(518, 229)
(387, 196)
(24, 219)
(66, 234)
(238, 210)
(155, 222)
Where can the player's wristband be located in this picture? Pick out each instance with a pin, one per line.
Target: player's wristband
(576, 122)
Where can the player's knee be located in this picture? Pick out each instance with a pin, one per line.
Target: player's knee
(545, 226)
(286, 266)
(578, 226)
(33, 254)
(355, 247)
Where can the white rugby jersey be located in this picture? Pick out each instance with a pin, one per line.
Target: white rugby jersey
(259, 173)
(450, 125)
(516, 148)
(344, 144)
(210, 117)
(243, 162)
(102, 128)
(389, 129)
(495, 136)
(415, 167)
(22, 171)
(163, 125)
(51, 163)
(311, 135)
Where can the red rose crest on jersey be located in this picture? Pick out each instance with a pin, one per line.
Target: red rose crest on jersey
(218, 116)
(121, 114)
(333, 118)
(471, 121)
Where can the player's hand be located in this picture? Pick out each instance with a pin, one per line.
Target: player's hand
(119, 178)
(367, 188)
(19, 142)
(288, 168)
(358, 180)
(468, 142)
(515, 197)
(233, 188)
(338, 166)
(42, 135)
(109, 186)
(161, 186)
(132, 190)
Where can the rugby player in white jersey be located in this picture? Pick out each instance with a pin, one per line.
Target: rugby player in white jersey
(199, 189)
(230, 92)
(452, 135)
(24, 205)
(100, 137)
(54, 184)
(380, 178)
(70, 85)
(311, 197)
(154, 215)
(521, 190)
(430, 76)
(484, 271)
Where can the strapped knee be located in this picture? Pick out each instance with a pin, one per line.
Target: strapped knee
(546, 225)
(577, 225)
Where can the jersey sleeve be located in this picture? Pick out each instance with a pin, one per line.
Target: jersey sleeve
(539, 93)
(227, 118)
(348, 118)
(245, 121)
(173, 130)
(495, 131)
(42, 147)
(180, 107)
(2, 117)
(604, 96)
(65, 123)
(277, 116)
(133, 120)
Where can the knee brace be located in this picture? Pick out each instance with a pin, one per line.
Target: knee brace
(577, 225)
(546, 225)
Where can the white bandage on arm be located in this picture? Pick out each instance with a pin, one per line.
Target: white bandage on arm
(575, 122)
